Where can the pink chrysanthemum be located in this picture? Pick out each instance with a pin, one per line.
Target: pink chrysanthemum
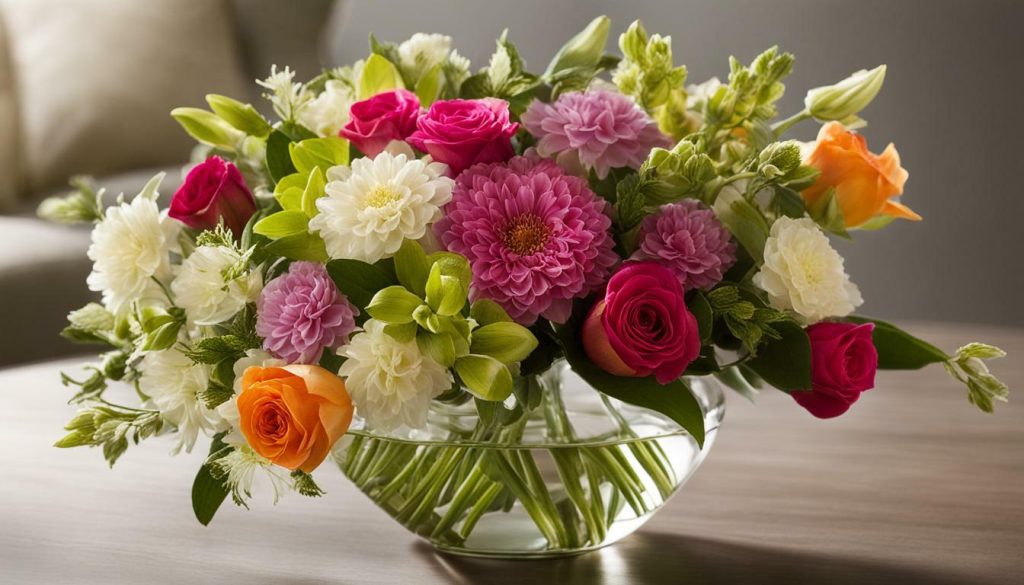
(606, 130)
(687, 238)
(535, 237)
(301, 312)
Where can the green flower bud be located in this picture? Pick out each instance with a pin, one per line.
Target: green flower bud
(633, 42)
(242, 116)
(207, 127)
(846, 98)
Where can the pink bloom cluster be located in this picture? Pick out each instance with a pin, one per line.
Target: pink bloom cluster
(302, 312)
(536, 238)
(688, 239)
(607, 130)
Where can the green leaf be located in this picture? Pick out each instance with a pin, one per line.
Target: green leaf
(302, 246)
(282, 224)
(412, 267)
(701, 309)
(785, 362)
(313, 191)
(279, 160)
(393, 305)
(674, 400)
(318, 152)
(163, 337)
(379, 75)
(242, 116)
(453, 264)
(440, 347)
(209, 492)
(484, 377)
(207, 127)
(827, 213)
(486, 312)
(358, 280)
(584, 49)
(506, 342)
(899, 350)
(428, 86)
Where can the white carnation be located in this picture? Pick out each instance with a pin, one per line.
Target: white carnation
(174, 383)
(423, 51)
(370, 208)
(130, 251)
(391, 382)
(211, 287)
(328, 113)
(804, 274)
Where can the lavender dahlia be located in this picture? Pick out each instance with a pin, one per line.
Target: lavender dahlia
(302, 312)
(606, 130)
(688, 239)
(535, 237)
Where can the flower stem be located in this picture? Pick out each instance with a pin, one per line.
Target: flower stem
(781, 127)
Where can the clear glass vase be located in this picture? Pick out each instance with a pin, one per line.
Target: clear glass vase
(578, 472)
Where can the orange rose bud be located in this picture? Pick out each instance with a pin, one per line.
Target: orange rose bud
(294, 414)
(865, 183)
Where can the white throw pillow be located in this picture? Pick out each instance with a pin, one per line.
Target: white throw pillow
(96, 80)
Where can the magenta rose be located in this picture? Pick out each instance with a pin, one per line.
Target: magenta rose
(642, 325)
(387, 116)
(461, 133)
(213, 191)
(843, 364)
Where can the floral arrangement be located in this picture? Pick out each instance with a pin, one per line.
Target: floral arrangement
(409, 233)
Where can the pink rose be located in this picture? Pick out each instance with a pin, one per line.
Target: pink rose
(642, 326)
(461, 133)
(214, 190)
(843, 364)
(387, 116)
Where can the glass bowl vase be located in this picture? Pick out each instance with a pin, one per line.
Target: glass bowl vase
(577, 472)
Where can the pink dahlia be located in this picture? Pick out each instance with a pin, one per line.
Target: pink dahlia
(302, 312)
(535, 237)
(687, 238)
(606, 130)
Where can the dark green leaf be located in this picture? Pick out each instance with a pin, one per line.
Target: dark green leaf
(279, 159)
(701, 309)
(785, 362)
(359, 281)
(208, 492)
(899, 350)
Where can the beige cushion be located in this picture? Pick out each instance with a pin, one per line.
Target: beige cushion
(97, 78)
(8, 129)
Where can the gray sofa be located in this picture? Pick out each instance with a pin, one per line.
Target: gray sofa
(43, 266)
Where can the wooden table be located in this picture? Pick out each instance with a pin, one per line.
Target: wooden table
(912, 486)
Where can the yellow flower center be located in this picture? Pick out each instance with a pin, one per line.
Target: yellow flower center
(382, 195)
(525, 234)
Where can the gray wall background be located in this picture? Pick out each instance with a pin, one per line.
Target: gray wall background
(951, 103)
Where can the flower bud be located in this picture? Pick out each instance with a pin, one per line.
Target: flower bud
(633, 42)
(848, 97)
(207, 127)
(242, 116)
(584, 49)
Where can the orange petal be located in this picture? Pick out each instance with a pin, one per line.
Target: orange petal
(897, 209)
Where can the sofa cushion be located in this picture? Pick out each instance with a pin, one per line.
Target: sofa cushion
(42, 277)
(97, 78)
(8, 129)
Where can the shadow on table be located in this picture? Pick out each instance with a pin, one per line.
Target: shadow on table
(660, 559)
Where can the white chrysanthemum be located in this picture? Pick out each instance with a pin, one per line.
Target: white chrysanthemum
(804, 274)
(328, 113)
(228, 411)
(423, 51)
(212, 288)
(370, 208)
(174, 383)
(130, 251)
(391, 382)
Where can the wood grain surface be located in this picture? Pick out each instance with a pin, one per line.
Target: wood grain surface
(912, 486)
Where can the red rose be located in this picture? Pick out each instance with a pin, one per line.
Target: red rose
(843, 364)
(387, 116)
(461, 133)
(213, 191)
(642, 325)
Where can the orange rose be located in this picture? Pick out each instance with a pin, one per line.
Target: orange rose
(865, 183)
(293, 415)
